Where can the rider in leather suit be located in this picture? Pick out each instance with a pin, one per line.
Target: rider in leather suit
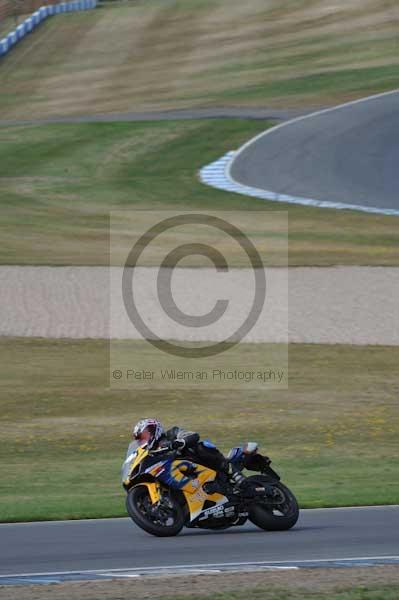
(189, 445)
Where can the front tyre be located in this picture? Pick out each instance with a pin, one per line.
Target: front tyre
(279, 512)
(164, 519)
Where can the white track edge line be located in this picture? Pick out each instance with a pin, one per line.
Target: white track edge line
(202, 565)
(241, 188)
(313, 114)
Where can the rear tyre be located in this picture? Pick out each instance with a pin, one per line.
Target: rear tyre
(280, 513)
(163, 520)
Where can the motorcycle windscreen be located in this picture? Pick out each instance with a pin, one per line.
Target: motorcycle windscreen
(130, 456)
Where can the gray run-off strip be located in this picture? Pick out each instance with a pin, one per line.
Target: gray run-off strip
(100, 575)
(272, 114)
(343, 305)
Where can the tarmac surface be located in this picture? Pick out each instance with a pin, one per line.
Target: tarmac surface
(273, 114)
(320, 535)
(346, 155)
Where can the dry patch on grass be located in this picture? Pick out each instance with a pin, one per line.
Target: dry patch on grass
(175, 53)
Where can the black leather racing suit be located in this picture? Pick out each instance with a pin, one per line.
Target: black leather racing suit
(196, 450)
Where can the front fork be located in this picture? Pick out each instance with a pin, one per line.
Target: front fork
(154, 491)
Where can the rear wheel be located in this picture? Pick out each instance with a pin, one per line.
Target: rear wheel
(279, 511)
(163, 519)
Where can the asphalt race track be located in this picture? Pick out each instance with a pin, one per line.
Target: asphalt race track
(321, 534)
(345, 155)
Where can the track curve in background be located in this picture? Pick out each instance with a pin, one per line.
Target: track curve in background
(347, 155)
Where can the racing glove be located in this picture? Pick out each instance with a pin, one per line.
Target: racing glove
(178, 444)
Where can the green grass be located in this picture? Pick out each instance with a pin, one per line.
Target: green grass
(162, 54)
(384, 79)
(8, 24)
(382, 592)
(63, 433)
(59, 182)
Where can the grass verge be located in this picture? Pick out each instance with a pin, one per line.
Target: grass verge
(378, 593)
(59, 182)
(332, 435)
(162, 54)
(375, 583)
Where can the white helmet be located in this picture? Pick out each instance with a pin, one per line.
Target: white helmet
(148, 430)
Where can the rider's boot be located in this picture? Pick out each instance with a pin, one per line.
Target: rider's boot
(236, 478)
(241, 484)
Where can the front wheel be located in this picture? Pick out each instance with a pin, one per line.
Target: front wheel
(163, 519)
(279, 512)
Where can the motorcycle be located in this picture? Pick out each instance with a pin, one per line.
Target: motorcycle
(167, 491)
